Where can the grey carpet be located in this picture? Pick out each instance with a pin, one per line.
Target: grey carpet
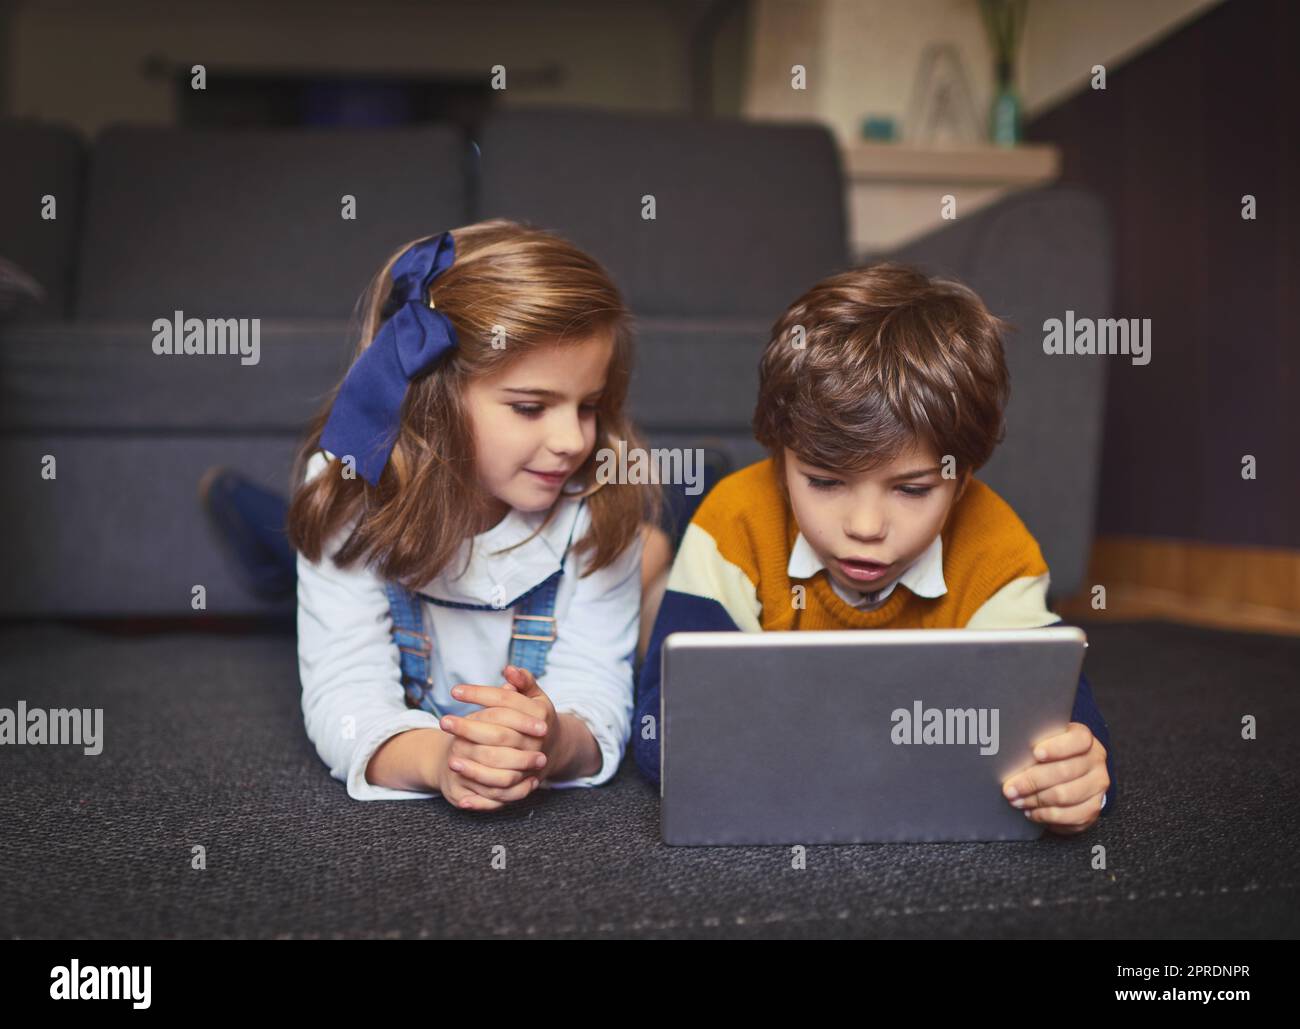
(204, 746)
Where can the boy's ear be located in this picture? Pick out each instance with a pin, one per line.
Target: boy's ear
(961, 487)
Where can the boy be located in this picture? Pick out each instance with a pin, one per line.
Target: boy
(881, 392)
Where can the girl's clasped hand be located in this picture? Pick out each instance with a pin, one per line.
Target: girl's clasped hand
(499, 753)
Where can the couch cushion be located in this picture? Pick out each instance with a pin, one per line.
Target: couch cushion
(697, 373)
(246, 223)
(747, 216)
(119, 531)
(1032, 257)
(41, 159)
(105, 377)
(695, 384)
(692, 376)
(133, 431)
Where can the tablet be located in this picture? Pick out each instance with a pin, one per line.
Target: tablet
(857, 736)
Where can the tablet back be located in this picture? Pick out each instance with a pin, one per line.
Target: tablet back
(892, 735)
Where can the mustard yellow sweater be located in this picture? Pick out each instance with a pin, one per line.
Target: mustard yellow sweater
(738, 545)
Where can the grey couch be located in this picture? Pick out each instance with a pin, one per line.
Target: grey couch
(247, 224)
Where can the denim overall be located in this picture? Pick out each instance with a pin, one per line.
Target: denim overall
(531, 636)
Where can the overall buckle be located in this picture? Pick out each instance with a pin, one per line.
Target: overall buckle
(517, 635)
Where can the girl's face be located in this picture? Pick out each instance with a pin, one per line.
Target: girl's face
(534, 421)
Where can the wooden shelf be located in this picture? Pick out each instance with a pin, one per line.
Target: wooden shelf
(1025, 165)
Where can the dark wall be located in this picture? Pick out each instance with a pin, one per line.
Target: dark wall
(1176, 139)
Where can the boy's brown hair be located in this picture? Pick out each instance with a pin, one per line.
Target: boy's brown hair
(540, 289)
(873, 360)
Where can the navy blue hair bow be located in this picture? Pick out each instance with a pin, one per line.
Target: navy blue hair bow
(365, 419)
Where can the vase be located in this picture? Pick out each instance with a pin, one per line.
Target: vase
(1004, 121)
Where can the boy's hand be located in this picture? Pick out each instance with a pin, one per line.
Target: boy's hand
(1064, 789)
(501, 748)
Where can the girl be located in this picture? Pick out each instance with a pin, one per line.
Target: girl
(451, 523)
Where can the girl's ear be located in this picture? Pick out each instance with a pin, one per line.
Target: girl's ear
(965, 481)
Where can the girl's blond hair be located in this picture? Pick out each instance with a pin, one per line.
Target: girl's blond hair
(509, 282)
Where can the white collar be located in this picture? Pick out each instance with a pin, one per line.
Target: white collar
(479, 574)
(924, 576)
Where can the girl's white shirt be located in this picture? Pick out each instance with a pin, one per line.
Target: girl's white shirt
(352, 695)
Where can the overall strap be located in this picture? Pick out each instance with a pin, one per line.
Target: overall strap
(532, 630)
(414, 648)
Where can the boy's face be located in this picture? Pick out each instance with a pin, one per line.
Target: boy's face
(889, 516)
